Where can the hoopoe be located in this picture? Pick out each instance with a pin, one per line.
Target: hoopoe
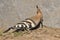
(29, 23)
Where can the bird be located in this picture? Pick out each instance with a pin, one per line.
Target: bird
(30, 23)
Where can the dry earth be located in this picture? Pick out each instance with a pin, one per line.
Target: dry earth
(45, 33)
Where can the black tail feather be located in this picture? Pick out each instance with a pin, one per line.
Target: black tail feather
(8, 29)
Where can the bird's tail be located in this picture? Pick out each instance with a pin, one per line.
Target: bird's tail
(8, 29)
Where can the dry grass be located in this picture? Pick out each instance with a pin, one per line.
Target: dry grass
(45, 33)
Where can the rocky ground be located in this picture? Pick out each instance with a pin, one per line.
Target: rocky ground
(45, 33)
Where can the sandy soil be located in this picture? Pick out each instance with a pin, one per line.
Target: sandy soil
(45, 33)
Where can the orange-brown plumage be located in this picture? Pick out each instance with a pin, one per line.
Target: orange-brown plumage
(38, 17)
